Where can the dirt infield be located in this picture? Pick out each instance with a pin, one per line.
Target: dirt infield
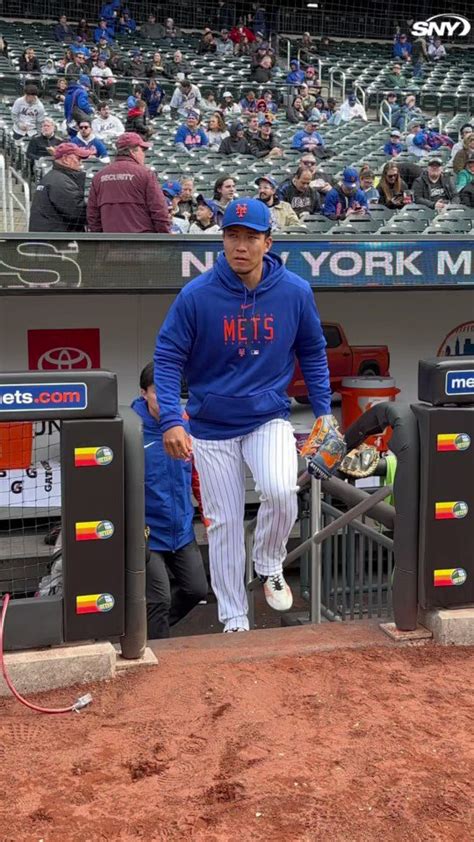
(369, 744)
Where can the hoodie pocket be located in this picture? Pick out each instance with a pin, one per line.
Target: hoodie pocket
(240, 410)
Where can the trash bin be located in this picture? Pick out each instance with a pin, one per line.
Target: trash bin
(359, 394)
(16, 445)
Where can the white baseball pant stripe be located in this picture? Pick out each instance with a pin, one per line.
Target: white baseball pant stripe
(270, 453)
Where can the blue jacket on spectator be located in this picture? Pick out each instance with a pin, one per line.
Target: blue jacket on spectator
(102, 151)
(63, 33)
(337, 203)
(191, 139)
(302, 139)
(76, 96)
(296, 76)
(125, 28)
(108, 9)
(153, 99)
(400, 48)
(103, 33)
(392, 148)
(169, 510)
(80, 48)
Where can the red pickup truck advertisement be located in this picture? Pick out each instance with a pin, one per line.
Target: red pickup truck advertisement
(344, 361)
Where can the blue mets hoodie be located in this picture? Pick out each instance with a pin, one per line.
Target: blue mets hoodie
(236, 348)
(169, 510)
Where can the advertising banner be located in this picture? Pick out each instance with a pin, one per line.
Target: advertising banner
(166, 264)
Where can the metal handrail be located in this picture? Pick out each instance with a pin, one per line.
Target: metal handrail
(333, 81)
(14, 200)
(3, 193)
(385, 117)
(358, 88)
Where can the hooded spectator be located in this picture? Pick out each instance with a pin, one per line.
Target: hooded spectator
(307, 138)
(216, 131)
(463, 133)
(106, 126)
(266, 144)
(393, 147)
(191, 136)
(125, 197)
(42, 145)
(296, 76)
(76, 103)
(137, 120)
(281, 213)
(433, 188)
(300, 195)
(236, 143)
(461, 157)
(154, 96)
(466, 176)
(391, 187)
(28, 61)
(86, 139)
(27, 113)
(230, 108)
(352, 109)
(206, 217)
(49, 68)
(346, 199)
(151, 29)
(58, 202)
(225, 46)
(62, 32)
(295, 113)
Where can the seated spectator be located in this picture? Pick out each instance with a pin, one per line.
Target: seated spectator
(102, 78)
(41, 145)
(154, 96)
(295, 113)
(433, 188)
(391, 100)
(3, 46)
(236, 143)
(352, 109)
(415, 132)
(125, 24)
(224, 193)
(307, 138)
(63, 31)
(461, 157)
(241, 31)
(171, 30)
(58, 202)
(59, 94)
(206, 217)
(186, 98)
(396, 79)
(172, 192)
(187, 203)
(84, 31)
(156, 66)
(391, 187)
(307, 49)
(393, 147)
(208, 102)
(408, 112)
(466, 196)
(77, 104)
(191, 136)
(258, 50)
(248, 103)
(230, 108)
(137, 120)
(272, 106)
(106, 126)
(266, 144)
(48, 68)
(296, 76)
(207, 44)
(103, 32)
(78, 46)
(225, 46)
(325, 46)
(86, 139)
(466, 175)
(436, 50)
(320, 108)
(332, 111)
(252, 132)
(216, 131)
(135, 97)
(262, 111)
(28, 62)
(104, 47)
(177, 68)
(151, 29)
(27, 113)
(320, 180)
(402, 49)
(77, 66)
(307, 96)
(300, 195)
(137, 67)
(109, 12)
(263, 72)
(366, 180)
(346, 199)
(463, 133)
(281, 213)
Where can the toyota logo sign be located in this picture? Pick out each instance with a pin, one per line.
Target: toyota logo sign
(64, 359)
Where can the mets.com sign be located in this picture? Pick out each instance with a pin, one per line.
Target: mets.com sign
(157, 263)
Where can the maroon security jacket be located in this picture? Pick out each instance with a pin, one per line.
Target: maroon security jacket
(125, 198)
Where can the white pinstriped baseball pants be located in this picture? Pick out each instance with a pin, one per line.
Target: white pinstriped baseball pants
(270, 453)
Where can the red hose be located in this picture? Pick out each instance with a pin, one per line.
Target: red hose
(76, 707)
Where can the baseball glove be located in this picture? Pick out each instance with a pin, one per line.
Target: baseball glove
(324, 448)
(360, 462)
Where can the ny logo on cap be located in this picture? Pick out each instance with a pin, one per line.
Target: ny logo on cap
(241, 210)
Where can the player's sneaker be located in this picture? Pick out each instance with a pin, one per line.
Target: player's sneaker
(229, 631)
(277, 592)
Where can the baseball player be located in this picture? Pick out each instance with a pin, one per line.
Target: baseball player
(234, 332)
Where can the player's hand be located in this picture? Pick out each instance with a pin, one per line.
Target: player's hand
(177, 443)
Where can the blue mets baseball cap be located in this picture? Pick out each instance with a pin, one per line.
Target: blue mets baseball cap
(268, 178)
(350, 176)
(249, 213)
(172, 189)
(213, 206)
